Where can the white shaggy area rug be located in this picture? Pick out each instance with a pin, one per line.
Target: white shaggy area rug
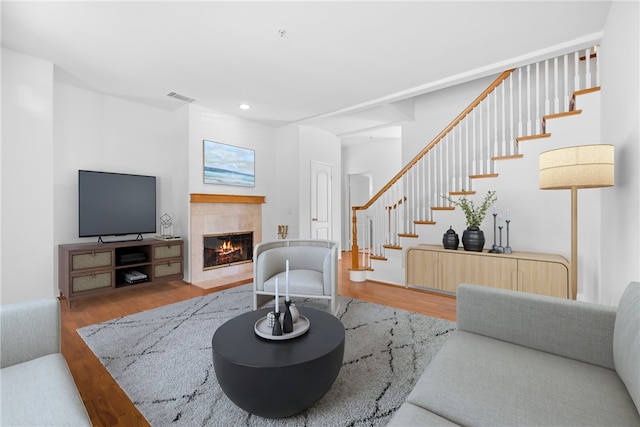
(162, 359)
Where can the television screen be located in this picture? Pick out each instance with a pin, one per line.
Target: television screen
(115, 204)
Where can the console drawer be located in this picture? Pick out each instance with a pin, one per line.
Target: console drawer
(83, 261)
(167, 251)
(167, 269)
(92, 281)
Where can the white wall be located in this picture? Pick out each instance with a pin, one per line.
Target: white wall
(620, 111)
(287, 180)
(27, 178)
(99, 132)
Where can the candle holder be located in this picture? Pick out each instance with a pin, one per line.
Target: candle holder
(500, 248)
(277, 328)
(494, 248)
(283, 230)
(287, 322)
(507, 249)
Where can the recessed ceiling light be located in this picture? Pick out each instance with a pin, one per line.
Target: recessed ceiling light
(244, 106)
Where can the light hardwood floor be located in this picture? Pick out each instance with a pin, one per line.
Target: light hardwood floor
(108, 405)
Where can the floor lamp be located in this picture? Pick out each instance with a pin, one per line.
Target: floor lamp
(571, 168)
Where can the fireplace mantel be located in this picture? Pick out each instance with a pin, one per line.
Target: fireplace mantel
(226, 198)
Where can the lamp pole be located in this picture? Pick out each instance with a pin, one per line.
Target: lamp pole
(573, 279)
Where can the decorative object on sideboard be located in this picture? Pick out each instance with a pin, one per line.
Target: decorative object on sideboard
(494, 247)
(507, 249)
(450, 239)
(473, 237)
(571, 168)
(498, 248)
(283, 230)
(166, 224)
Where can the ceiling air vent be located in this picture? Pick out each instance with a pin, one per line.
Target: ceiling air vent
(180, 97)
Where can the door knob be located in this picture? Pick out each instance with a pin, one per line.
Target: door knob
(314, 219)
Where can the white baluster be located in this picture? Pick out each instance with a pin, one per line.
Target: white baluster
(547, 103)
(481, 136)
(587, 75)
(426, 174)
(512, 138)
(520, 102)
(596, 51)
(474, 154)
(528, 100)
(566, 82)
(452, 161)
(487, 144)
(537, 126)
(445, 165)
(495, 123)
(556, 91)
(461, 146)
(576, 71)
(465, 170)
(504, 124)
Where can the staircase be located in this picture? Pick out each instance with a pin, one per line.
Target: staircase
(492, 145)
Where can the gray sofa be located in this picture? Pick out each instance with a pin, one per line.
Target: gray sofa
(519, 359)
(37, 388)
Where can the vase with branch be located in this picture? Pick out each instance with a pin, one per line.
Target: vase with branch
(473, 237)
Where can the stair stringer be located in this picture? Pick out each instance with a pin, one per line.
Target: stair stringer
(540, 218)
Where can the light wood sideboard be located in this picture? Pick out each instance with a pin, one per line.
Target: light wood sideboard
(433, 267)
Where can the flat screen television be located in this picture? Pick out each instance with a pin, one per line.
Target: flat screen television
(116, 204)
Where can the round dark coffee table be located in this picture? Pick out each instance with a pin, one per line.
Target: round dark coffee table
(276, 379)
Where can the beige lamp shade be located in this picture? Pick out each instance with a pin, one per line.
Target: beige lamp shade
(584, 166)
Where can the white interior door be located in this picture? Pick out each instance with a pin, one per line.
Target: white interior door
(359, 194)
(320, 200)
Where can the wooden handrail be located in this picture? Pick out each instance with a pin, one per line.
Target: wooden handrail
(416, 159)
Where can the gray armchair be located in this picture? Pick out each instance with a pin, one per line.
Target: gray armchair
(313, 270)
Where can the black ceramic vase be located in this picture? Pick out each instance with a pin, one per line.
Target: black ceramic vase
(473, 239)
(450, 239)
(287, 321)
(277, 327)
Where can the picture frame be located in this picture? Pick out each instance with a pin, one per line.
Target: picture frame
(228, 165)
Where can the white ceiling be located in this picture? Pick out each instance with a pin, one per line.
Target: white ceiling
(342, 66)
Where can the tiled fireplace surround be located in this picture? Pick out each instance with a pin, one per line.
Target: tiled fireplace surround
(217, 214)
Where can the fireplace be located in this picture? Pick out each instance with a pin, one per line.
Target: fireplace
(222, 250)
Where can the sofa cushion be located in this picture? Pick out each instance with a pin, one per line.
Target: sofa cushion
(303, 282)
(476, 380)
(412, 415)
(626, 341)
(41, 392)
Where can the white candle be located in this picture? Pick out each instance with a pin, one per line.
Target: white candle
(286, 283)
(508, 215)
(494, 209)
(277, 308)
